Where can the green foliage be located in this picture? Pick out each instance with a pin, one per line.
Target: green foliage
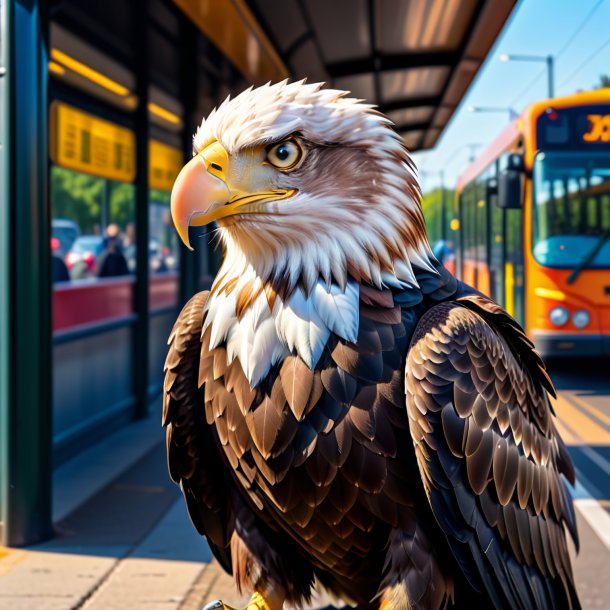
(604, 81)
(157, 196)
(432, 207)
(81, 197)
(77, 197)
(122, 203)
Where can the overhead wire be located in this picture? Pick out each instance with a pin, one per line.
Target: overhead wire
(584, 63)
(564, 47)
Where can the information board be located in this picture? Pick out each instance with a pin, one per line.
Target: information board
(86, 143)
(165, 163)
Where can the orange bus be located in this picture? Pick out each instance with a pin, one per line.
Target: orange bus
(531, 223)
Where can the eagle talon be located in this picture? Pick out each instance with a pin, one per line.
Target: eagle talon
(217, 605)
(257, 602)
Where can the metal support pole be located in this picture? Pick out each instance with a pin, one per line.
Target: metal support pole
(189, 77)
(25, 281)
(550, 70)
(141, 298)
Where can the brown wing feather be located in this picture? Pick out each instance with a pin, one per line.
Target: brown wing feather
(192, 458)
(490, 455)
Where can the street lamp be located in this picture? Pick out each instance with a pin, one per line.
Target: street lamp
(547, 59)
(511, 113)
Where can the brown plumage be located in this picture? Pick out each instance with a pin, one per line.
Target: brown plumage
(322, 459)
(339, 408)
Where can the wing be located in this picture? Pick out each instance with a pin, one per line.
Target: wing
(193, 459)
(489, 454)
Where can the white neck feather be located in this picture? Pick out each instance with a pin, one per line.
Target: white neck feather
(301, 324)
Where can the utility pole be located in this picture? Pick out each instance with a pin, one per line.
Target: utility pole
(548, 59)
(550, 73)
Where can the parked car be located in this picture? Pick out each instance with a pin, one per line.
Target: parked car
(82, 255)
(66, 231)
(160, 257)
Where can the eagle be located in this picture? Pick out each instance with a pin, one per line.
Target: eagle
(341, 412)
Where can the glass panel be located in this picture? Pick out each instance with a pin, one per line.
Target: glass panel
(165, 162)
(481, 235)
(572, 219)
(514, 265)
(92, 221)
(470, 233)
(497, 251)
(92, 227)
(163, 252)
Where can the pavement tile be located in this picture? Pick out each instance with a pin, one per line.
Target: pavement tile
(145, 583)
(52, 581)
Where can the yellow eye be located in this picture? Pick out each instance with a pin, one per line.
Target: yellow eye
(285, 155)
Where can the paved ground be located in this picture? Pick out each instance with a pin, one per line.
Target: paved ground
(130, 544)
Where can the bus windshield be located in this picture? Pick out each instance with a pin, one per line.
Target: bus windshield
(572, 209)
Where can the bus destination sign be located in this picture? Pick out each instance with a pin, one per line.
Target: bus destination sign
(577, 127)
(600, 128)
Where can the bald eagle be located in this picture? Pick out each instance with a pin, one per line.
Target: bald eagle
(341, 412)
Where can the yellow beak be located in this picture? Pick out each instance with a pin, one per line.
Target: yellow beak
(199, 190)
(201, 193)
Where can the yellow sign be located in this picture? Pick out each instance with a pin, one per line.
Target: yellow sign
(164, 163)
(86, 143)
(600, 128)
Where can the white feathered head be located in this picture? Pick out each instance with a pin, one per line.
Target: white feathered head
(305, 184)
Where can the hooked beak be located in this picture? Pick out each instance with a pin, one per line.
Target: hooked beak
(201, 194)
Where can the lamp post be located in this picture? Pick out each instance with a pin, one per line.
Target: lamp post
(547, 59)
(512, 114)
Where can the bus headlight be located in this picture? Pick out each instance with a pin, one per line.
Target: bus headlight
(581, 318)
(559, 315)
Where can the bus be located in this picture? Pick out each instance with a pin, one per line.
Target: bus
(531, 223)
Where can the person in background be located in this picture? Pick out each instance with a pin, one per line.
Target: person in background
(111, 262)
(129, 246)
(59, 270)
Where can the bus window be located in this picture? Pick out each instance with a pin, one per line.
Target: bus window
(496, 239)
(513, 266)
(469, 228)
(480, 210)
(571, 215)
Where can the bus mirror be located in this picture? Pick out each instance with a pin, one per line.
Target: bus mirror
(515, 161)
(492, 187)
(510, 189)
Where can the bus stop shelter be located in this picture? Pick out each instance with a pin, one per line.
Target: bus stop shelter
(149, 70)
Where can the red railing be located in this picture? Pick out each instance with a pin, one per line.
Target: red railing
(97, 300)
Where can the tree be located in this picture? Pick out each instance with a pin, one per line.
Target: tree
(604, 81)
(432, 205)
(77, 197)
(82, 197)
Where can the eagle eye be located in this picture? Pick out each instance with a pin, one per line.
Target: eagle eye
(285, 155)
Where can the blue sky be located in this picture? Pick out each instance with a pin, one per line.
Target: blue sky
(536, 27)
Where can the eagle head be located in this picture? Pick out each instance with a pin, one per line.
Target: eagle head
(306, 184)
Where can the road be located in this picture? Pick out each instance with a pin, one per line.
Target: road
(583, 410)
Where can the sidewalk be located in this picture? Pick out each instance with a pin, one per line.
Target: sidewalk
(123, 540)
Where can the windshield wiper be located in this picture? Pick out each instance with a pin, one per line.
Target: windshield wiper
(587, 259)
